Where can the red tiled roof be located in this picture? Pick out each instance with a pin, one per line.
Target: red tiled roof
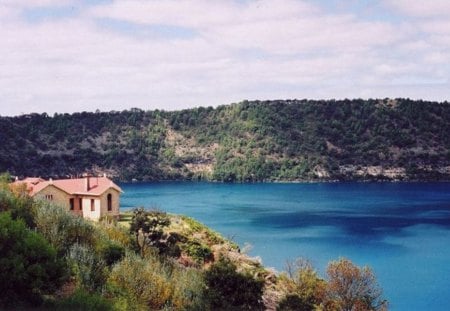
(97, 185)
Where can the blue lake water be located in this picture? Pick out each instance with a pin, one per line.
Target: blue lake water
(401, 230)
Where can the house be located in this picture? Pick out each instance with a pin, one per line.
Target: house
(89, 197)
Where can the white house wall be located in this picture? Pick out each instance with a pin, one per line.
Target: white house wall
(87, 213)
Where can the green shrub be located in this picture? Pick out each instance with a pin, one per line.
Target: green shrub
(82, 300)
(188, 289)
(28, 264)
(193, 224)
(116, 233)
(174, 237)
(112, 253)
(169, 247)
(303, 288)
(211, 236)
(199, 252)
(227, 289)
(61, 228)
(151, 284)
(147, 227)
(16, 201)
(88, 268)
(142, 281)
(294, 302)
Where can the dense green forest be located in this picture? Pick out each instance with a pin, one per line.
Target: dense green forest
(291, 140)
(149, 260)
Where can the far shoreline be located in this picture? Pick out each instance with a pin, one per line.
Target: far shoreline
(315, 181)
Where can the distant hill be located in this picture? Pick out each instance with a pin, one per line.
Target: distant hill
(281, 140)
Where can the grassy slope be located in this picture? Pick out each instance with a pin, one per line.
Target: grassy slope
(196, 233)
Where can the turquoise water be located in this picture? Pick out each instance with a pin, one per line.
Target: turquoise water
(401, 230)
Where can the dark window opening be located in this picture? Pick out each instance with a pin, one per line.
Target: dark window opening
(109, 202)
(72, 204)
(80, 201)
(92, 205)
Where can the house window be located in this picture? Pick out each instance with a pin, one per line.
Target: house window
(109, 202)
(49, 197)
(92, 205)
(72, 204)
(80, 202)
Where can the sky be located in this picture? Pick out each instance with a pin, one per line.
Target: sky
(83, 55)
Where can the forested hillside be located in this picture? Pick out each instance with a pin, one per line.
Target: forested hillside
(249, 141)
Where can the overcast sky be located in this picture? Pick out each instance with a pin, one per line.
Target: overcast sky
(81, 55)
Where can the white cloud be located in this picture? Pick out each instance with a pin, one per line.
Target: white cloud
(236, 50)
(429, 8)
(273, 26)
(202, 13)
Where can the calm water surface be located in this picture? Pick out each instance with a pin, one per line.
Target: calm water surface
(402, 230)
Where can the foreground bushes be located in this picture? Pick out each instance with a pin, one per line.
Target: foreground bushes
(150, 283)
(348, 288)
(352, 288)
(16, 201)
(81, 300)
(106, 267)
(88, 269)
(304, 289)
(228, 289)
(29, 266)
(63, 229)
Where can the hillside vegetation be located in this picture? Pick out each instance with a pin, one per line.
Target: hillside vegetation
(290, 140)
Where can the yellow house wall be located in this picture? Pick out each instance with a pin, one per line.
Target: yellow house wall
(115, 203)
(59, 197)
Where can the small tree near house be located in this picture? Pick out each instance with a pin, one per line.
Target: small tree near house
(147, 227)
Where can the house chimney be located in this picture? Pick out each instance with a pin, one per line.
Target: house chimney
(51, 181)
(86, 182)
